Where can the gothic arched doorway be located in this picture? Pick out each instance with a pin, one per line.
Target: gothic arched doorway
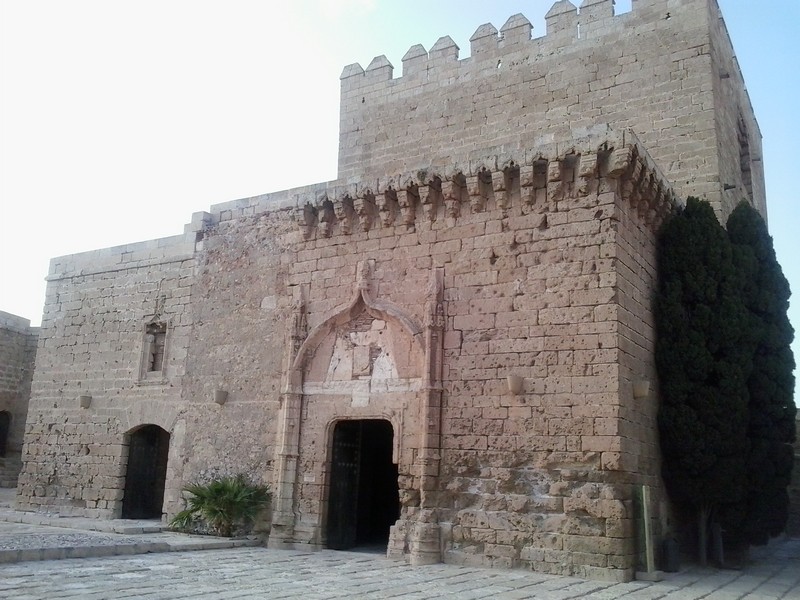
(146, 475)
(363, 501)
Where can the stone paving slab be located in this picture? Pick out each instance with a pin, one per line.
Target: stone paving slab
(73, 561)
(260, 573)
(22, 541)
(125, 526)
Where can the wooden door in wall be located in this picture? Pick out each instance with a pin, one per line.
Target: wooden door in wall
(364, 501)
(345, 475)
(146, 475)
(5, 426)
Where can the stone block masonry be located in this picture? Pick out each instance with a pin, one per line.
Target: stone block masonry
(437, 350)
(97, 310)
(17, 357)
(665, 70)
(548, 269)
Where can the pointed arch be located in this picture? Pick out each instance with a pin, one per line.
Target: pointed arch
(361, 301)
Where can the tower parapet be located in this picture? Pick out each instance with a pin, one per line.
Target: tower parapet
(651, 70)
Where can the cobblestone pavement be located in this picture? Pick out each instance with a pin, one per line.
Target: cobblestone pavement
(259, 573)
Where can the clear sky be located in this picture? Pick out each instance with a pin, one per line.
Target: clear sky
(120, 119)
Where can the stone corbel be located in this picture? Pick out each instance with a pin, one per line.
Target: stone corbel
(407, 200)
(477, 191)
(533, 184)
(526, 189)
(587, 173)
(426, 201)
(570, 166)
(452, 191)
(326, 217)
(307, 220)
(387, 206)
(647, 188)
(555, 174)
(666, 206)
(428, 197)
(343, 208)
(619, 162)
(630, 184)
(640, 185)
(500, 188)
(657, 200)
(364, 207)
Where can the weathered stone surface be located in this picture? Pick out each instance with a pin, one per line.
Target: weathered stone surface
(516, 242)
(17, 356)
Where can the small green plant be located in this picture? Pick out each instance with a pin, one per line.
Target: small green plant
(222, 504)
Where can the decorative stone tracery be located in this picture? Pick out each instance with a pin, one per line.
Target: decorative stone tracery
(362, 359)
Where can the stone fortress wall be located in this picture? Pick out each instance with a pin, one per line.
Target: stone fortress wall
(665, 70)
(97, 306)
(547, 275)
(487, 221)
(17, 356)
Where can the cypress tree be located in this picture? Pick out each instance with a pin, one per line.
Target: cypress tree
(703, 361)
(771, 408)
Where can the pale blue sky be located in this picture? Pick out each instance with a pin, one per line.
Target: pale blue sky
(121, 119)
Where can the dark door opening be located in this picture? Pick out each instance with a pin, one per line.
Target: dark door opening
(363, 502)
(147, 473)
(5, 426)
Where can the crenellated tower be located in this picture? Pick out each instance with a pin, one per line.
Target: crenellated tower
(466, 312)
(665, 70)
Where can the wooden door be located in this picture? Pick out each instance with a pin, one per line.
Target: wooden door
(146, 474)
(344, 483)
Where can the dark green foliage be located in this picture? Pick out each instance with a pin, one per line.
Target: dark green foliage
(703, 357)
(222, 504)
(771, 424)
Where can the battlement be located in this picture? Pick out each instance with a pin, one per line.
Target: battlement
(565, 24)
(657, 70)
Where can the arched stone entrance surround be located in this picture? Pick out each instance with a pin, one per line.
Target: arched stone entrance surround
(369, 359)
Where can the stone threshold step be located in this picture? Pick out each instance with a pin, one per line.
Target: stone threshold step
(123, 526)
(99, 551)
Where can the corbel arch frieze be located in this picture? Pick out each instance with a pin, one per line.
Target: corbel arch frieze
(641, 185)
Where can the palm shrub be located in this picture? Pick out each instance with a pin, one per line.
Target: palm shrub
(222, 504)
